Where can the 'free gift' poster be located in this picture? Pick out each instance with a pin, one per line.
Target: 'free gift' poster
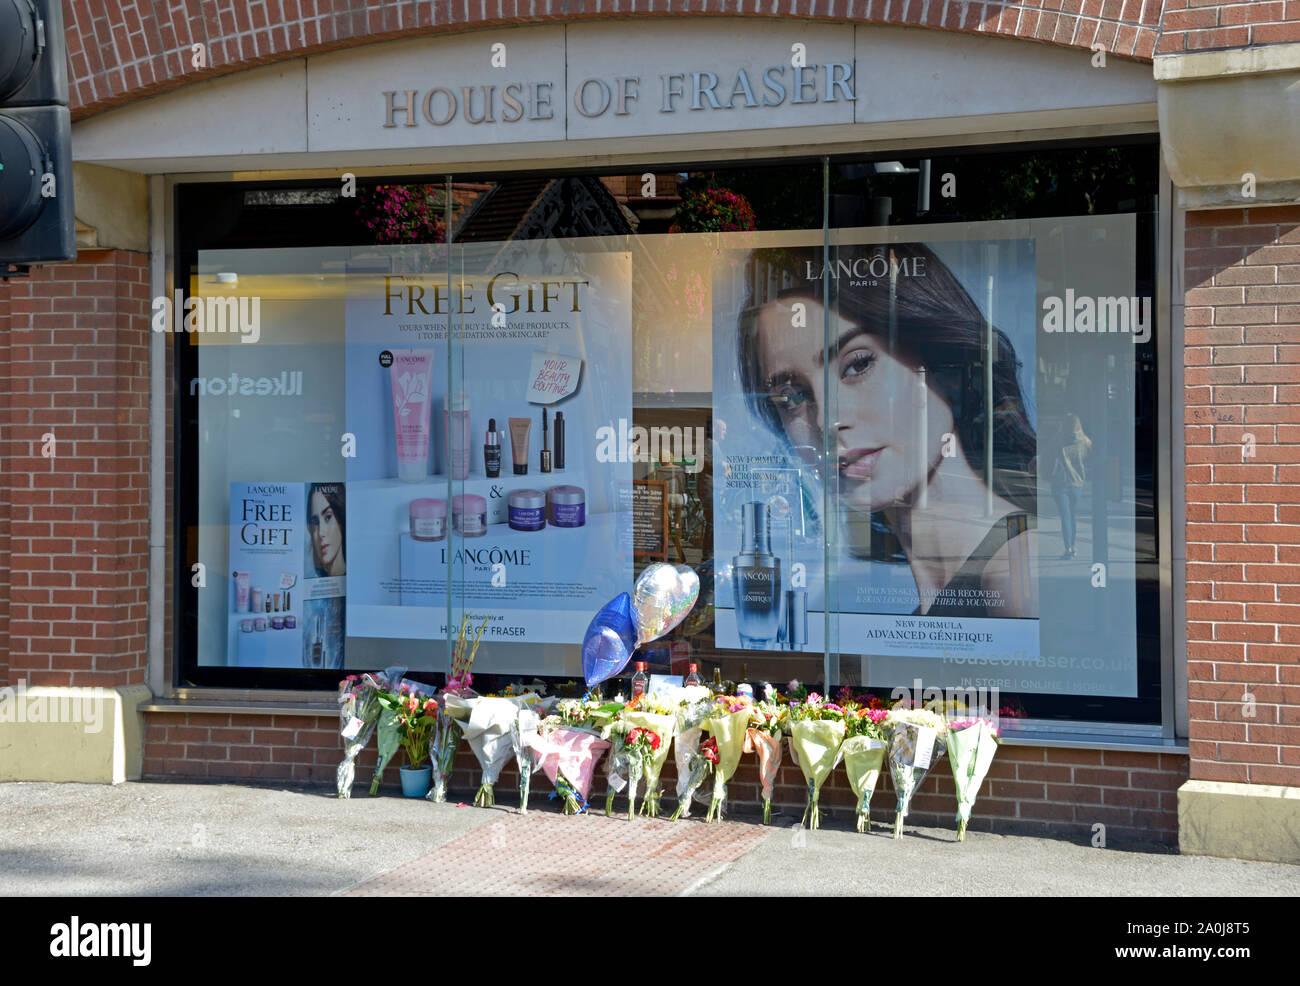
(475, 468)
(289, 575)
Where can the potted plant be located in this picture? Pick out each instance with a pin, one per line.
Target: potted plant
(416, 716)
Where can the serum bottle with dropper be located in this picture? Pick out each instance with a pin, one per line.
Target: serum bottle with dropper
(492, 450)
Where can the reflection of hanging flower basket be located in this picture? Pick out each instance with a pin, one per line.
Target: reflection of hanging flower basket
(712, 210)
(402, 213)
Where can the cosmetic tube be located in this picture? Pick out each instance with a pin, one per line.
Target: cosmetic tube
(559, 439)
(241, 591)
(546, 444)
(519, 429)
(412, 375)
(256, 596)
(456, 421)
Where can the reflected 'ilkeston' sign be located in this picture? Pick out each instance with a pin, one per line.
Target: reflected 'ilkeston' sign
(777, 85)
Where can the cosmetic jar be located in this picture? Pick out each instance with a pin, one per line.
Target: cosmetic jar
(259, 624)
(469, 515)
(527, 510)
(428, 519)
(245, 626)
(566, 506)
(277, 623)
(291, 622)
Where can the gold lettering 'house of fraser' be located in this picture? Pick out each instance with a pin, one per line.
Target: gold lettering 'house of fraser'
(513, 102)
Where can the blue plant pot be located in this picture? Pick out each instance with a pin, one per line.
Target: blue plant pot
(416, 780)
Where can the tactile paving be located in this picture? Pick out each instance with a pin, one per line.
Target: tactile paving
(548, 854)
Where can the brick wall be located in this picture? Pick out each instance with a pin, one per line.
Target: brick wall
(123, 51)
(1028, 790)
(77, 367)
(1243, 510)
(1202, 25)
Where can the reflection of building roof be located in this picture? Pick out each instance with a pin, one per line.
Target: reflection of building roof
(537, 208)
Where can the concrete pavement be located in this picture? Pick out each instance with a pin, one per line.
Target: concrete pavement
(145, 838)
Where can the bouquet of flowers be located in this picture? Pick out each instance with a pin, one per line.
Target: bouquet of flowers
(816, 736)
(767, 721)
(702, 761)
(912, 748)
(567, 746)
(728, 724)
(416, 716)
(390, 730)
(486, 724)
(446, 733)
(521, 732)
(658, 715)
(971, 744)
(865, 742)
(358, 715)
(615, 769)
(689, 731)
(639, 746)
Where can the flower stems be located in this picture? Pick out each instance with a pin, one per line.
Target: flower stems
(767, 811)
(484, 798)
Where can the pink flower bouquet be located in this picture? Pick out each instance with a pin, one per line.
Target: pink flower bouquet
(568, 757)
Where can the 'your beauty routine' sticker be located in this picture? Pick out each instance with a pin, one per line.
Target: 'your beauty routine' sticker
(552, 376)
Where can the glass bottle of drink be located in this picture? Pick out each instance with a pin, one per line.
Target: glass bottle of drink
(717, 681)
(693, 675)
(640, 681)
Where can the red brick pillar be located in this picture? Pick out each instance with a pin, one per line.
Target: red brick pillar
(77, 369)
(1243, 494)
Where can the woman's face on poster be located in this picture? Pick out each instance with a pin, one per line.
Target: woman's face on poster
(326, 538)
(881, 455)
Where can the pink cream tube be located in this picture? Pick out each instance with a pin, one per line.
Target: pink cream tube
(412, 377)
(242, 580)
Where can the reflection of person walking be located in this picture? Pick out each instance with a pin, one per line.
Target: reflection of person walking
(1068, 477)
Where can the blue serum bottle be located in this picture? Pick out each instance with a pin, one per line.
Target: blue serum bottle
(756, 575)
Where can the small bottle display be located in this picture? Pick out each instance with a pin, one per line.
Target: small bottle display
(757, 578)
(693, 675)
(492, 450)
(640, 681)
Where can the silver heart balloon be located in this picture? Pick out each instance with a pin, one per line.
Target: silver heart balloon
(663, 596)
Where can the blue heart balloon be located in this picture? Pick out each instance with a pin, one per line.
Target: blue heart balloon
(610, 641)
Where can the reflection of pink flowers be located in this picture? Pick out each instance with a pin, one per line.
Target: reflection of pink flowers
(959, 724)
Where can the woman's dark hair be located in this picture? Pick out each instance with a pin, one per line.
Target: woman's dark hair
(334, 496)
(927, 320)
